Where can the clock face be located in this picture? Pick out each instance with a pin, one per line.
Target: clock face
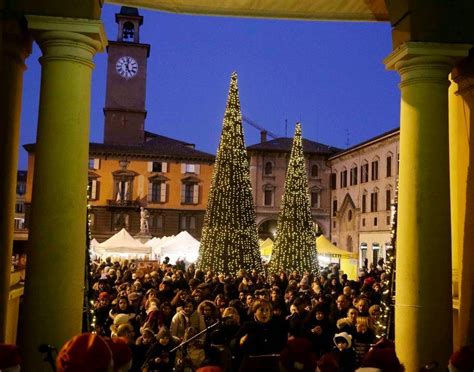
(126, 67)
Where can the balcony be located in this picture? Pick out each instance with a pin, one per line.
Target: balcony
(121, 203)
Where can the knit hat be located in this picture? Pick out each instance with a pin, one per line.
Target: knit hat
(346, 336)
(84, 352)
(462, 360)
(121, 353)
(9, 356)
(119, 320)
(382, 356)
(297, 356)
(327, 363)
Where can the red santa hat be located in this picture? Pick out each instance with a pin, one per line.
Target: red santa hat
(462, 360)
(9, 356)
(85, 352)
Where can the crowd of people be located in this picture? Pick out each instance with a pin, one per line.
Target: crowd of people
(177, 319)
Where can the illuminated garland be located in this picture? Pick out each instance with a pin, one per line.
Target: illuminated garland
(89, 318)
(229, 239)
(295, 244)
(384, 325)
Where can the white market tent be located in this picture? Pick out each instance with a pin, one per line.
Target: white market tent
(123, 245)
(182, 246)
(93, 243)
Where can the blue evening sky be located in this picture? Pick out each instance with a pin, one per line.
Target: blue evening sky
(328, 75)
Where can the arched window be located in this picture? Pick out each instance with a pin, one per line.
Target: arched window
(128, 31)
(349, 215)
(314, 170)
(349, 244)
(268, 168)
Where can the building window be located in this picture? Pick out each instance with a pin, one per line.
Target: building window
(21, 188)
(157, 222)
(20, 207)
(375, 253)
(364, 203)
(189, 193)
(334, 208)
(123, 188)
(373, 201)
(93, 189)
(120, 221)
(128, 32)
(363, 222)
(388, 199)
(353, 177)
(349, 244)
(187, 223)
(333, 224)
(157, 166)
(363, 254)
(343, 179)
(333, 181)
(375, 170)
(157, 192)
(94, 163)
(314, 170)
(190, 168)
(364, 173)
(268, 168)
(19, 223)
(375, 221)
(388, 220)
(389, 166)
(268, 198)
(315, 199)
(349, 215)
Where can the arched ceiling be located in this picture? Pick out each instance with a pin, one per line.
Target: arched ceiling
(353, 10)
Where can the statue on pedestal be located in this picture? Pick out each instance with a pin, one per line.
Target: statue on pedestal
(144, 216)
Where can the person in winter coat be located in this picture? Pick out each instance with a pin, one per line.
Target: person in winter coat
(343, 352)
(319, 330)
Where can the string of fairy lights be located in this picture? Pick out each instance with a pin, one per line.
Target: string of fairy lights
(295, 244)
(384, 324)
(229, 240)
(89, 319)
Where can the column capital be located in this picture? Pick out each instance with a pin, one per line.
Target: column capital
(91, 29)
(426, 52)
(419, 62)
(17, 40)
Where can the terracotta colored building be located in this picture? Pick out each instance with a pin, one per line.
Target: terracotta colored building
(134, 168)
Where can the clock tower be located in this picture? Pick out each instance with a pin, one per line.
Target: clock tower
(124, 109)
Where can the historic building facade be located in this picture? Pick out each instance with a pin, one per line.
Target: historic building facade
(268, 166)
(363, 184)
(134, 168)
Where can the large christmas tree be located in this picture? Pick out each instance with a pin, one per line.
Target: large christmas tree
(229, 236)
(295, 244)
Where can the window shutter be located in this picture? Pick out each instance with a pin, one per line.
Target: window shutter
(97, 190)
(183, 192)
(183, 168)
(163, 192)
(96, 163)
(164, 167)
(197, 168)
(94, 189)
(150, 192)
(196, 194)
(150, 166)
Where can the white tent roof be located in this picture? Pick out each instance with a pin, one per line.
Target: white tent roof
(93, 243)
(123, 244)
(182, 246)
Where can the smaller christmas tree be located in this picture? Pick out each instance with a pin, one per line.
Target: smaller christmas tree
(295, 244)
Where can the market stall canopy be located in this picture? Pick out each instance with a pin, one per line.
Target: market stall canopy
(93, 243)
(122, 244)
(181, 247)
(266, 247)
(351, 10)
(324, 246)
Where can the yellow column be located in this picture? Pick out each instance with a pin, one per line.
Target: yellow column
(15, 46)
(423, 308)
(56, 252)
(461, 124)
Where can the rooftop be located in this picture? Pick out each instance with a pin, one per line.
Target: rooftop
(284, 144)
